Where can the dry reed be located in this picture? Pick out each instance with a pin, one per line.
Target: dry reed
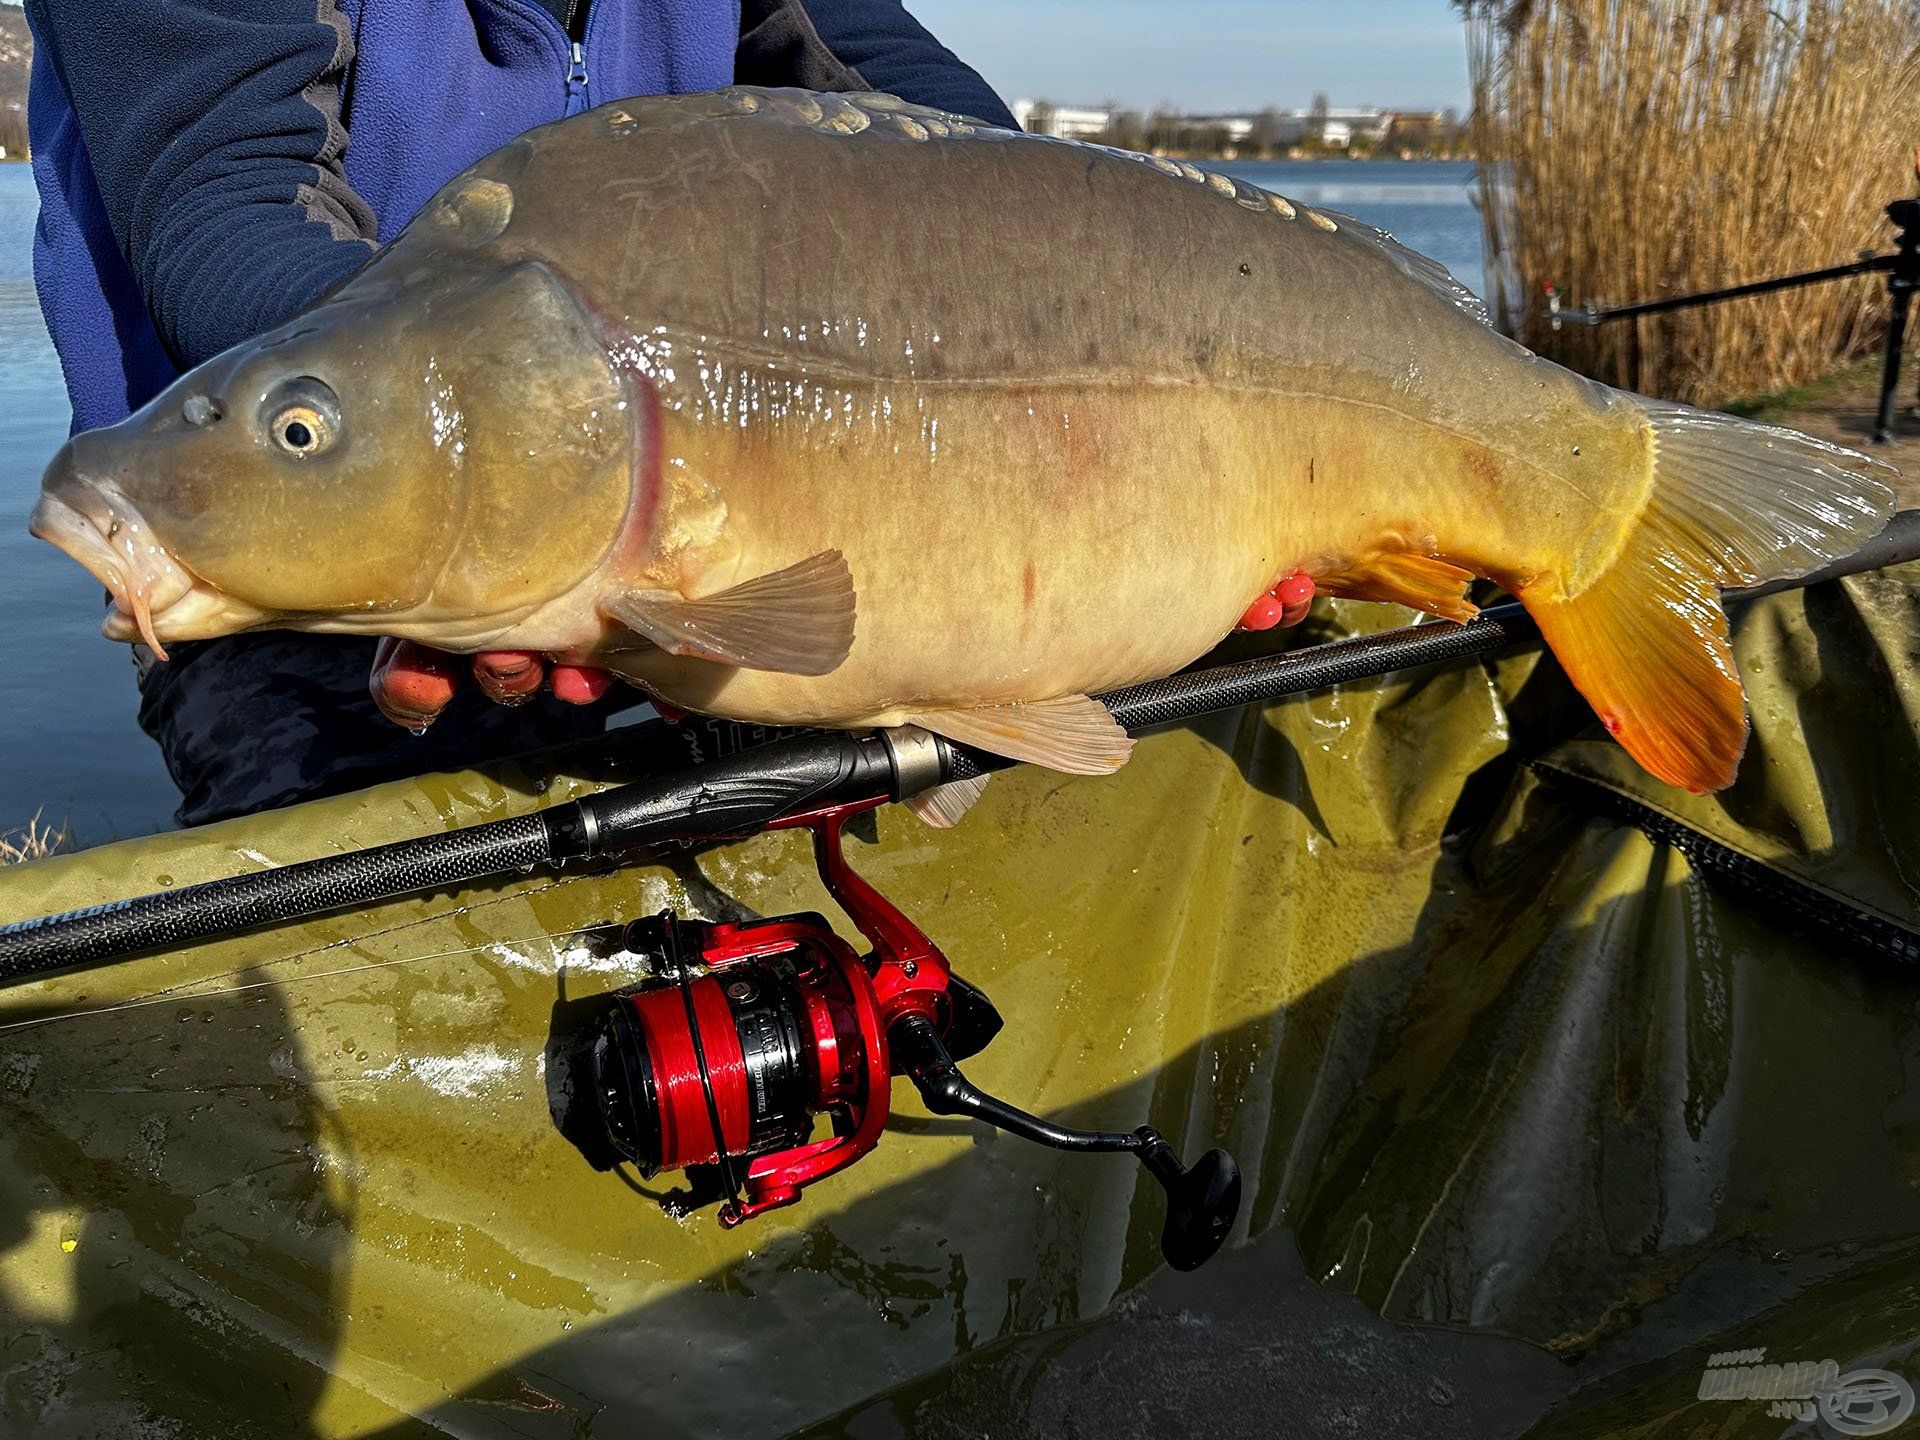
(1632, 149)
(31, 841)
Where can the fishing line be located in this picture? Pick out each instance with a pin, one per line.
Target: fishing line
(180, 996)
(181, 993)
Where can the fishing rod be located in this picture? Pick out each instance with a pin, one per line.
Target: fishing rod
(728, 796)
(1901, 267)
(769, 786)
(719, 1064)
(1596, 315)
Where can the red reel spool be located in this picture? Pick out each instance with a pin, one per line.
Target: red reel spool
(685, 1128)
(777, 1027)
(733, 1068)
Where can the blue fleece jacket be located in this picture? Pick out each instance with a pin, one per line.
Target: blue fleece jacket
(207, 168)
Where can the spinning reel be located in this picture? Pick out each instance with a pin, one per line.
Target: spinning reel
(721, 1065)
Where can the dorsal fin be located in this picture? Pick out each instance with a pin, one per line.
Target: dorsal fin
(1423, 270)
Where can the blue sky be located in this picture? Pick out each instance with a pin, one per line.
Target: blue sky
(1210, 54)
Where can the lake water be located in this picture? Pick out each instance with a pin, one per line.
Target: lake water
(71, 750)
(1427, 204)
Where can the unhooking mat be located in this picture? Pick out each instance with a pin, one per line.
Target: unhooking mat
(1550, 1087)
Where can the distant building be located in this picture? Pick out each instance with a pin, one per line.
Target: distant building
(1328, 127)
(1235, 128)
(1065, 122)
(1420, 128)
(1338, 128)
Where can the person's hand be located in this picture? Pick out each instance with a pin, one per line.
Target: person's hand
(1286, 604)
(413, 683)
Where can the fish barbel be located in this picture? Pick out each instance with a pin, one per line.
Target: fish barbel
(832, 410)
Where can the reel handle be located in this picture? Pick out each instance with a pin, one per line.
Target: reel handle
(1202, 1200)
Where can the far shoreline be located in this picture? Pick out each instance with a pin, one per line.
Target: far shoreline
(1369, 158)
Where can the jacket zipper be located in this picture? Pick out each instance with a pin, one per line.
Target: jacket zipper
(1761, 883)
(577, 79)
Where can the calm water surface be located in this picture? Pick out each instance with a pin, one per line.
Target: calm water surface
(1427, 204)
(71, 750)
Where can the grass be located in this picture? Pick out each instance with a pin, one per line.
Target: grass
(1631, 149)
(1776, 403)
(32, 841)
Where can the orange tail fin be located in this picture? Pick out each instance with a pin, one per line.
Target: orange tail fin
(1732, 504)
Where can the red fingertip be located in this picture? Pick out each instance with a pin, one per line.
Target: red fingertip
(506, 665)
(669, 712)
(509, 677)
(412, 684)
(411, 657)
(580, 684)
(1263, 614)
(1295, 590)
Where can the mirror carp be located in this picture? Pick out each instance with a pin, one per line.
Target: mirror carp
(832, 410)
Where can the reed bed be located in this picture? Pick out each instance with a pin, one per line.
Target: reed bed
(32, 841)
(1632, 149)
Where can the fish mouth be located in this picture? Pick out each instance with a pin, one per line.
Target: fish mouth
(154, 596)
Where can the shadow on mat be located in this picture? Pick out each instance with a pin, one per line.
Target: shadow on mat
(172, 1152)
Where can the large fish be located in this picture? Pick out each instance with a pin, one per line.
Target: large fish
(832, 410)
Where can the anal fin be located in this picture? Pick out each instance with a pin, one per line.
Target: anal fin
(1404, 577)
(943, 806)
(1072, 733)
(798, 620)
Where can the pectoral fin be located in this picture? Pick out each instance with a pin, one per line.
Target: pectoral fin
(798, 620)
(1072, 733)
(943, 805)
(1405, 578)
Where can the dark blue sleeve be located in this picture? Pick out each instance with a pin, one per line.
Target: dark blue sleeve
(893, 52)
(213, 129)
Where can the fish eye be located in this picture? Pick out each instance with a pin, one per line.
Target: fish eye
(300, 430)
(302, 417)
